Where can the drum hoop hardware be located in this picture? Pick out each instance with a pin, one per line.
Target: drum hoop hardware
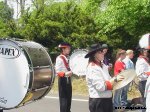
(41, 67)
(40, 88)
(27, 77)
(79, 50)
(18, 39)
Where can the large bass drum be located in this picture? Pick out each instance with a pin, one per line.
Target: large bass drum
(26, 72)
(78, 63)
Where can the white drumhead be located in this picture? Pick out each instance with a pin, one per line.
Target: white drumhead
(14, 74)
(78, 63)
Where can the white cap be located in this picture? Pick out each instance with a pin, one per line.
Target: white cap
(144, 42)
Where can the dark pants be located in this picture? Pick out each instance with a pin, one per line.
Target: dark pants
(100, 105)
(1, 110)
(142, 91)
(142, 87)
(65, 94)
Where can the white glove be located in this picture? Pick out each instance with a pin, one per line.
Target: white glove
(68, 74)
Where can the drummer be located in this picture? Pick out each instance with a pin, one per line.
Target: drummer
(99, 82)
(64, 77)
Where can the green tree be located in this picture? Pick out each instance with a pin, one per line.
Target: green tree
(6, 20)
(123, 22)
(6, 13)
(59, 21)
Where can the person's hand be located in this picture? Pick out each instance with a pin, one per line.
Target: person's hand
(119, 78)
(116, 79)
(68, 74)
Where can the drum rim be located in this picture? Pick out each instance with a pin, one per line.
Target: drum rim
(53, 72)
(78, 50)
(51, 66)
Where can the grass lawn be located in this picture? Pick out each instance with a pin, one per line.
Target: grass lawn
(79, 87)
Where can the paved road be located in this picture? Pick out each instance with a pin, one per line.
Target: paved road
(51, 104)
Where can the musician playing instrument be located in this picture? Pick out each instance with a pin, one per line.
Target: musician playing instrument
(142, 66)
(99, 82)
(64, 77)
(143, 70)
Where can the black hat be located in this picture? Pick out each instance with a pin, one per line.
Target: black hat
(93, 49)
(64, 45)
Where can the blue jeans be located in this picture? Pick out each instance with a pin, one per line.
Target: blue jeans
(124, 98)
(117, 98)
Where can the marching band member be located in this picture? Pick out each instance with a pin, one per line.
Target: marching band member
(106, 60)
(143, 70)
(64, 78)
(99, 82)
(105, 50)
(142, 65)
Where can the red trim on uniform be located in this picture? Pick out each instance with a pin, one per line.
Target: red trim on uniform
(147, 73)
(97, 63)
(65, 62)
(145, 58)
(109, 85)
(61, 74)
